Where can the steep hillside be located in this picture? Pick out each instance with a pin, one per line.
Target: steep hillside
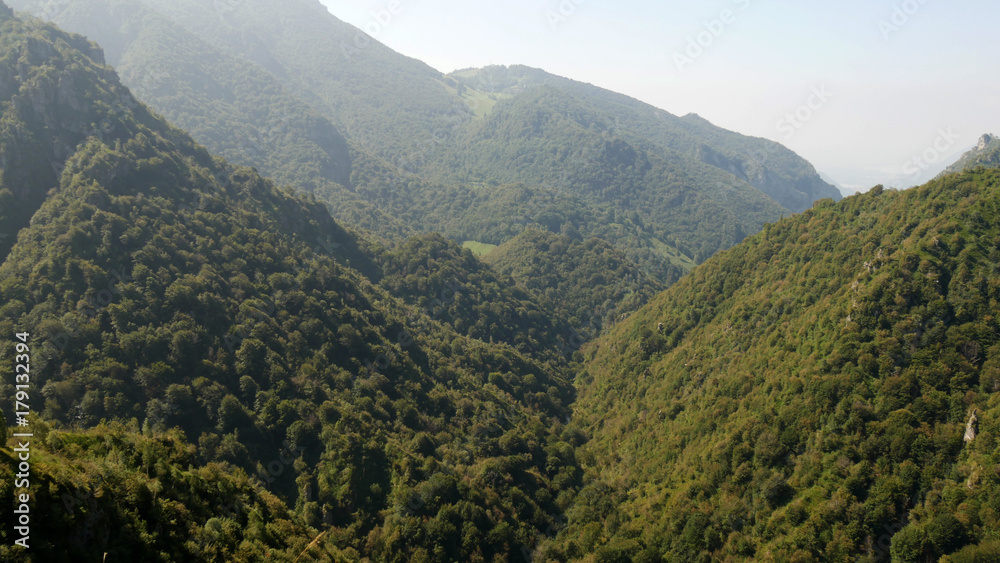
(588, 282)
(439, 275)
(548, 136)
(695, 188)
(986, 153)
(238, 327)
(53, 98)
(391, 104)
(233, 106)
(494, 213)
(804, 396)
(132, 495)
(768, 166)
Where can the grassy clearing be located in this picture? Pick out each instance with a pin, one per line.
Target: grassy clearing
(479, 248)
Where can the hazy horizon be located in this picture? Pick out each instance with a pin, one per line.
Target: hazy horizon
(860, 89)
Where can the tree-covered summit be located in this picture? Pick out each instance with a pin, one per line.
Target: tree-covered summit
(807, 394)
(216, 373)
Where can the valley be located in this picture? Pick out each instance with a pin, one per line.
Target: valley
(286, 304)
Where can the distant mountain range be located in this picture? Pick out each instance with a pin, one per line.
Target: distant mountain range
(668, 353)
(986, 153)
(310, 101)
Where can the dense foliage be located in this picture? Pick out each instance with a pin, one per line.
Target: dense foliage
(771, 168)
(36, 133)
(222, 372)
(550, 137)
(436, 274)
(804, 395)
(274, 84)
(588, 282)
(494, 213)
(239, 329)
(139, 496)
(985, 154)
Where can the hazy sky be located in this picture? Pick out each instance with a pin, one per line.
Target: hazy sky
(869, 85)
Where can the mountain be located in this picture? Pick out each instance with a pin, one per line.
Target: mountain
(276, 85)
(233, 106)
(223, 371)
(812, 394)
(220, 371)
(986, 153)
(588, 282)
(771, 168)
(36, 135)
(551, 137)
(478, 301)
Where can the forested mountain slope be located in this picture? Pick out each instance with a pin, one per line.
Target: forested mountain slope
(804, 396)
(768, 166)
(688, 188)
(232, 105)
(223, 372)
(49, 106)
(264, 392)
(392, 105)
(551, 137)
(432, 272)
(588, 282)
(986, 154)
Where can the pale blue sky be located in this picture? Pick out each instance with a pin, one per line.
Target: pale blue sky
(894, 92)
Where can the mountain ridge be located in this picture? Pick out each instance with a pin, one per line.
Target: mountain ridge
(758, 151)
(404, 118)
(986, 153)
(224, 370)
(218, 375)
(804, 395)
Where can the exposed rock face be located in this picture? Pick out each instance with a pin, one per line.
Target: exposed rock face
(794, 194)
(62, 92)
(985, 154)
(972, 428)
